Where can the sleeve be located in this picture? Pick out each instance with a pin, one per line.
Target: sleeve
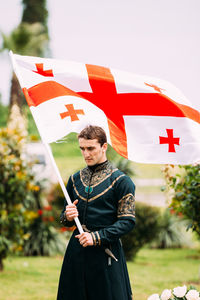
(63, 219)
(125, 196)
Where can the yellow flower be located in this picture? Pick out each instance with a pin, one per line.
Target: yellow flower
(20, 175)
(36, 188)
(4, 215)
(31, 215)
(26, 236)
(18, 206)
(19, 248)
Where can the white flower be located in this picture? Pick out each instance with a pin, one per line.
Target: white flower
(154, 297)
(166, 294)
(192, 295)
(180, 291)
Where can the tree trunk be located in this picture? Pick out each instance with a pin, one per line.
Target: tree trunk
(16, 95)
(1, 264)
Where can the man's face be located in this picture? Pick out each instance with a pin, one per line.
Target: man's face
(92, 151)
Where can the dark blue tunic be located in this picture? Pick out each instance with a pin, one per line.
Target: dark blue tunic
(106, 208)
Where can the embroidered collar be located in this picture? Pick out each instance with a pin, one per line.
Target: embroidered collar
(96, 176)
(98, 167)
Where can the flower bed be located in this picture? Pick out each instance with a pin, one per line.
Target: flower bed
(178, 293)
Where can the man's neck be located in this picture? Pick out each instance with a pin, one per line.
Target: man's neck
(92, 168)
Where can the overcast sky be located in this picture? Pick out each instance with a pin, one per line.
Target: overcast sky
(159, 38)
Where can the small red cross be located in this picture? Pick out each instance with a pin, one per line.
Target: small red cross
(72, 113)
(41, 71)
(169, 140)
(156, 88)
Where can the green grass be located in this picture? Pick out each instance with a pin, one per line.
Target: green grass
(33, 278)
(155, 270)
(68, 148)
(69, 165)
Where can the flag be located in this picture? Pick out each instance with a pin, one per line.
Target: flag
(146, 120)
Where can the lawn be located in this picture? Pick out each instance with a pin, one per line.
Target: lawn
(36, 278)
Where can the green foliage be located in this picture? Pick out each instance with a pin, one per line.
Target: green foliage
(186, 194)
(56, 196)
(171, 233)
(124, 165)
(25, 225)
(43, 238)
(32, 128)
(120, 162)
(146, 229)
(112, 155)
(17, 191)
(4, 115)
(26, 39)
(35, 11)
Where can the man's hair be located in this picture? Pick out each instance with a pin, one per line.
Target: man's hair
(93, 132)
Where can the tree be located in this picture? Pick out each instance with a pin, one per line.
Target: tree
(30, 37)
(35, 11)
(26, 39)
(185, 193)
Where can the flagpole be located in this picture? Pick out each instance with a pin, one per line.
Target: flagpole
(48, 148)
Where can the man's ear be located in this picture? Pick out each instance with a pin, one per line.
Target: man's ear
(104, 147)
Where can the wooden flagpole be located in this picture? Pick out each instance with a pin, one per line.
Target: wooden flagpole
(48, 148)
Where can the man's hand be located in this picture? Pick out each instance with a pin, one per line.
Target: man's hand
(85, 239)
(71, 211)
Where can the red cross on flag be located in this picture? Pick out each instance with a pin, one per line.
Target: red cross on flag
(147, 120)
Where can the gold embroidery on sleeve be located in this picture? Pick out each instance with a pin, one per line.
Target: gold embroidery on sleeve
(126, 206)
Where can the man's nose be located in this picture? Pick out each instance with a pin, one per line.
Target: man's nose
(86, 153)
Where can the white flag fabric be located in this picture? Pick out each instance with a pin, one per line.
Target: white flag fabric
(146, 120)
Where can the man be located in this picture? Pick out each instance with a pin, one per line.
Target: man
(94, 266)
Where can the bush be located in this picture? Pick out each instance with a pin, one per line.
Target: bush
(17, 192)
(146, 229)
(42, 237)
(22, 228)
(172, 233)
(185, 187)
(56, 196)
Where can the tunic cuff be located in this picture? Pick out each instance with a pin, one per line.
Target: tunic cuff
(96, 238)
(65, 222)
(93, 238)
